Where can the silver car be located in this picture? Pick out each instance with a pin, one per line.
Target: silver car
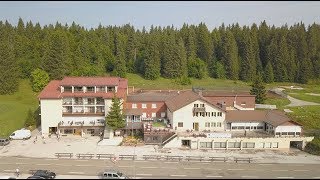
(112, 174)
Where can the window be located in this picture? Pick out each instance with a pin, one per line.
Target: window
(180, 124)
(154, 114)
(155, 138)
(248, 144)
(219, 113)
(207, 124)
(219, 145)
(163, 114)
(219, 124)
(260, 127)
(247, 127)
(205, 144)
(277, 133)
(134, 106)
(196, 105)
(284, 133)
(233, 144)
(240, 127)
(267, 145)
(144, 115)
(275, 145)
(234, 127)
(67, 89)
(243, 103)
(90, 89)
(111, 89)
(213, 124)
(214, 114)
(201, 105)
(144, 106)
(154, 106)
(298, 133)
(68, 131)
(291, 133)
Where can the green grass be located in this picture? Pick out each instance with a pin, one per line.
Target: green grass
(308, 116)
(158, 124)
(306, 97)
(169, 84)
(279, 102)
(14, 108)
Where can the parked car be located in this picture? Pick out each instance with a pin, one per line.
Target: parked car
(45, 174)
(4, 141)
(112, 174)
(36, 177)
(21, 134)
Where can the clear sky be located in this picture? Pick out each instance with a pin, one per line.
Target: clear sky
(143, 13)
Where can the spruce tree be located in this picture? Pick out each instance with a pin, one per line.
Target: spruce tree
(268, 75)
(120, 63)
(115, 120)
(248, 64)
(204, 45)
(258, 89)
(230, 56)
(151, 60)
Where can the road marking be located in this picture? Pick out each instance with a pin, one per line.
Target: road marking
(297, 165)
(8, 170)
(182, 175)
(204, 163)
(301, 170)
(235, 169)
(280, 170)
(124, 166)
(191, 168)
(144, 174)
(149, 167)
(84, 165)
(216, 169)
(21, 163)
(43, 164)
(23, 158)
(214, 176)
(286, 177)
(76, 172)
(265, 164)
(63, 165)
(249, 176)
(52, 159)
(171, 162)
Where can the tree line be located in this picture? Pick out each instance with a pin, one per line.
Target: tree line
(281, 54)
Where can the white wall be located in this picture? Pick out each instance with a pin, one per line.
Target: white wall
(288, 129)
(108, 104)
(51, 113)
(185, 115)
(169, 116)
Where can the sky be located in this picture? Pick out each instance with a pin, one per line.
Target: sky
(161, 13)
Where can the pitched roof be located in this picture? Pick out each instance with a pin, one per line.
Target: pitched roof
(90, 81)
(214, 93)
(150, 96)
(51, 91)
(273, 117)
(184, 99)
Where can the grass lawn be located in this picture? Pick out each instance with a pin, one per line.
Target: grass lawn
(279, 102)
(169, 84)
(305, 97)
(158, 124)
(308, 116)
(14, 108)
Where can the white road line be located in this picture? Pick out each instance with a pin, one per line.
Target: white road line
(215, 169)
(235, 169)
(63, 165)
(171, 162)
(179, 175)
(144, 174)
(23, 158)
(265, 164)
(43, 164)
(149, 167)
(249, 176)
(301, 170)
(76, 172)
(124, 166)
(84, 165)
(21, 163)
(8, 170)
(286, 177)
(191, 168)
(214, 176)
(51, 159)
(280, 170)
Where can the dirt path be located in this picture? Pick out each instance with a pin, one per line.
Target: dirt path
(294, 101)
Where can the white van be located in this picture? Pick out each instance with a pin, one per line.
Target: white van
(21, 134)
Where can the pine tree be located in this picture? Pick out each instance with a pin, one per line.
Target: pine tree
(151, 60)
(268, 75)
(258, 89)
(181, 57)
(115, 120)
(230, 56)
(170, 62)
(248, 64)
(204, 45)
(120, 63)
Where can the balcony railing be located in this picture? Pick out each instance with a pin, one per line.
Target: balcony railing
(199, 109)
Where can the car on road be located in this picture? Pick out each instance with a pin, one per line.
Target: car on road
(4, 141)
(112, 174)
(45, 174)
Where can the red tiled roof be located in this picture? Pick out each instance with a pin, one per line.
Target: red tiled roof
(90, 81)
(226, 94)
(51, 91)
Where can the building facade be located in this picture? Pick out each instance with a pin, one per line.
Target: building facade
(79, 105)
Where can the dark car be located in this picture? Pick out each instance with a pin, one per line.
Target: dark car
(4, 141)
(45, 173)
(36, 177)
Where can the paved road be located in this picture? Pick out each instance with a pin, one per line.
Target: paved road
(162, 169)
